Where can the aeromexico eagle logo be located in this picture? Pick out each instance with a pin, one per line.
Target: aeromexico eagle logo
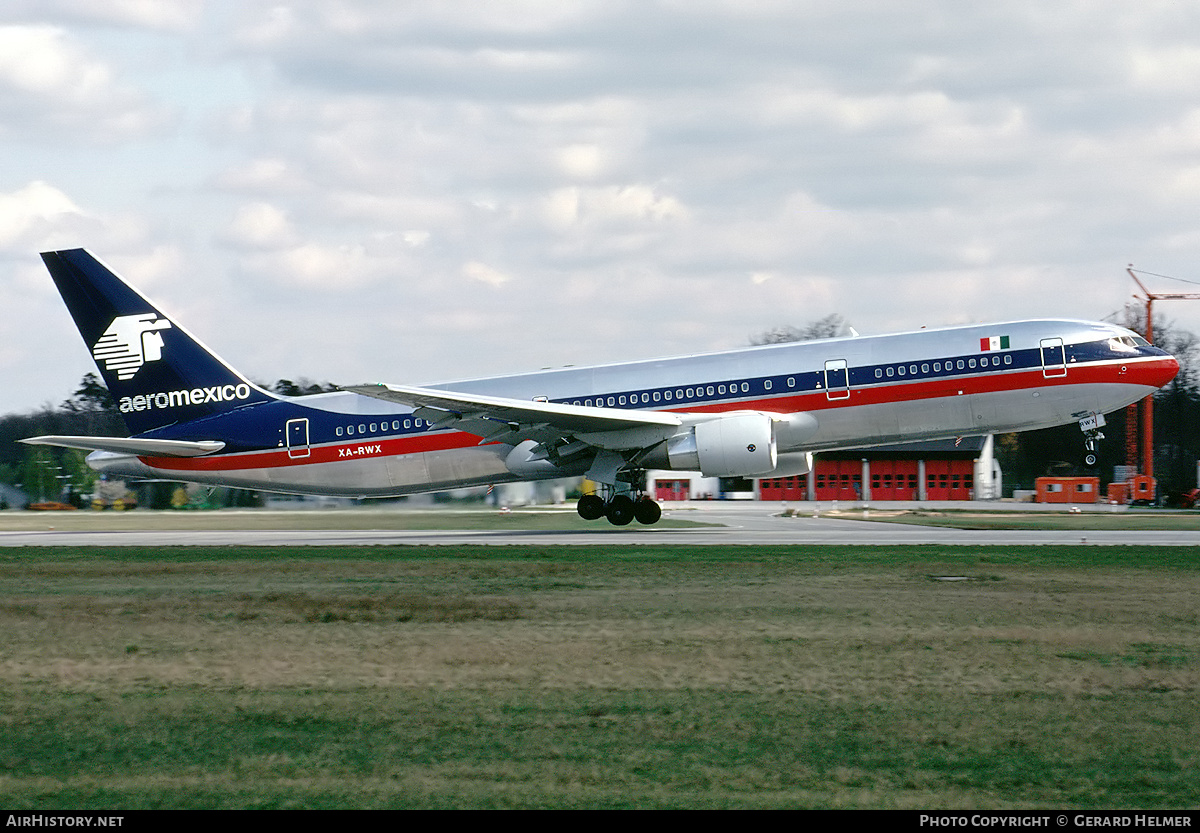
(129, 342)
(132, 340)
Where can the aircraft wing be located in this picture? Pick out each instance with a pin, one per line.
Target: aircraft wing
(495, 418)
(132, 445)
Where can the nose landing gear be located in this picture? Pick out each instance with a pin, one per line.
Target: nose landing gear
(1091, 424)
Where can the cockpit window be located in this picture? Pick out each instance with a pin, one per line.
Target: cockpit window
(1127, 344)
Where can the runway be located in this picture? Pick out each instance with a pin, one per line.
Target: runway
(740, 524)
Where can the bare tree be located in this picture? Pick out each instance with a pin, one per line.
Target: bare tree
(831, 326)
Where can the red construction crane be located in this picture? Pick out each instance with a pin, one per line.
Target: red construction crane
(1147, 467)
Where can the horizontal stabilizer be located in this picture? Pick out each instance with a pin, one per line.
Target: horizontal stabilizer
(132, 445)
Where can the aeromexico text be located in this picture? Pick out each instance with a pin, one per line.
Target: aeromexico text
(179, 398)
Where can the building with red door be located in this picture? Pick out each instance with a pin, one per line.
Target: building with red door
(940, 470)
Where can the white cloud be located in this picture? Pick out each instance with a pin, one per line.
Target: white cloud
(566, 207)
(41, 61)
(31, 211)
(156, 266)
(49, 83)
(270, 175)
(168, 15)
(581, 161)
(483, 273)
(319, 268)
(1166, 70)
(260, 225)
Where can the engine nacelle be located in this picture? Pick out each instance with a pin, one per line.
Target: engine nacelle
(792, 464)
(524, 461)
(733, 445)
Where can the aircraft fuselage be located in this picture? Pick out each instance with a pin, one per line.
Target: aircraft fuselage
(850, 392)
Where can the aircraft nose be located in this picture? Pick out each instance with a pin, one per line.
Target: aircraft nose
(1161, 372)
(1172, 369)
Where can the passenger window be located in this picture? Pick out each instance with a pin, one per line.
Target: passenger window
(900, 370)
(767, 385)
(656, 397)
(878, 373)
(937, 367)
(971, 363)
(611, 401)
(745, 387)
(338, 431)
(1008, 359)
(710, 390)
(362, 429)
(791, 382)
(891, 371)
(961, 365)
(374, 427)
(924, 368)
(720, 388)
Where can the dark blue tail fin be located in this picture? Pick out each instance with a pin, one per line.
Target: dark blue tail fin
(158, 373)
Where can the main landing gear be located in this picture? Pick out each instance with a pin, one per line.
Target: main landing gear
(620, 509)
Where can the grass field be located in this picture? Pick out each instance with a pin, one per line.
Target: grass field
(1082, 521)
(906, 677)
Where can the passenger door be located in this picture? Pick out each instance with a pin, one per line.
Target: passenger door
(837, 379)
(1054, 359)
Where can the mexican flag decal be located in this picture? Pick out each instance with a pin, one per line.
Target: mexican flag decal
(994, 343)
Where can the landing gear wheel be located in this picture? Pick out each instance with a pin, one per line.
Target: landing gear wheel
(647, 511)
(590, 507)
(1090, 460)
(620, 510)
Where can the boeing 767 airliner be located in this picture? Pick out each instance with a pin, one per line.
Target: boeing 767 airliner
(756, 412)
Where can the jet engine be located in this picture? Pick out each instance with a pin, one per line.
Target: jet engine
(732, 445)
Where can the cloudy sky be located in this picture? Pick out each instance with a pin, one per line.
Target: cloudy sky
(421, 191)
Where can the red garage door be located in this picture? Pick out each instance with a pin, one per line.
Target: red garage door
(671, 490)
(838, 479)
(949, 479)
(782, 488)
(894, 480)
